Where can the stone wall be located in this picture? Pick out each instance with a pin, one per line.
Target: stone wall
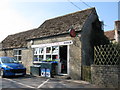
(27, 57)
(8, 53)
(75, 59)
(53, 39)
(105, 75)
(87, 49)
(2, 53)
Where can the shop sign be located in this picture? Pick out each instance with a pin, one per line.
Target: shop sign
(53, 44)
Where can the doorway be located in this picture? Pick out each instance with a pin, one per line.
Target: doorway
(63, 59)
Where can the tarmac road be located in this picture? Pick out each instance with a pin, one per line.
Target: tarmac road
(42, 82)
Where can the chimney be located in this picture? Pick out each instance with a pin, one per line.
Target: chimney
(117, 30)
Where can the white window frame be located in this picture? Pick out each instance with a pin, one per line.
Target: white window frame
(17, 55)
(38, 54)
(44, 53)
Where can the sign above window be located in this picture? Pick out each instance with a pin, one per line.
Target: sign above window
(53, 44)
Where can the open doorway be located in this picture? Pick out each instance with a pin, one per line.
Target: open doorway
(63, 59)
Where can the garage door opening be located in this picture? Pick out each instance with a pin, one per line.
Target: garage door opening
(63, 59)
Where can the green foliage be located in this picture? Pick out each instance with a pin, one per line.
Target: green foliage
(49, 60)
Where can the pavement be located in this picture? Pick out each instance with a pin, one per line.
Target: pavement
(38, 82)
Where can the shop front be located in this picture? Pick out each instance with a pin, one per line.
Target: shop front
(53, 53)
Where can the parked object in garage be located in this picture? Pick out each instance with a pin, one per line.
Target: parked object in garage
(10, 67)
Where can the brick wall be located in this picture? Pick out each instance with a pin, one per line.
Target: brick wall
(105, 75)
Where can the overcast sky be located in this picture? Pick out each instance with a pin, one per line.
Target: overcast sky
(22, 15)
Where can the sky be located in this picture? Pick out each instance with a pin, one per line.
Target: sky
(22, 15)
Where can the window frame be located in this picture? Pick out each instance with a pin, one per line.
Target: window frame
(45, 53)
(17, 54)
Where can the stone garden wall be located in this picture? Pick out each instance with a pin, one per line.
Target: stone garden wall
(106, 75)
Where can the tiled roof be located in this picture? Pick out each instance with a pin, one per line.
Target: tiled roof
(50, 27)
(110, 34)
(17, 40)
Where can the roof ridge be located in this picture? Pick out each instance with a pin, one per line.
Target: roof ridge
(92, 8)
(23, 31)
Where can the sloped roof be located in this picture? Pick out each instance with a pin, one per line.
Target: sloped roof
(17, 40)
(55, 26)
(110, 34)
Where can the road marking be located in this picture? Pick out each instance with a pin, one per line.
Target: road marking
(19, 83)
(43, 83)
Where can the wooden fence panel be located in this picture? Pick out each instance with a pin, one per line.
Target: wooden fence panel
(107, 55)
(86, 73)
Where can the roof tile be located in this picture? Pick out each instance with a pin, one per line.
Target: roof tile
(110, 34)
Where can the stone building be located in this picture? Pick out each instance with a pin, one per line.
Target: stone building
(69, 39)
(114, 35)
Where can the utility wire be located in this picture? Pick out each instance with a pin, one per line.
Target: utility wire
(74, 5)
(81, 9)
(85, 3)
(90, 7)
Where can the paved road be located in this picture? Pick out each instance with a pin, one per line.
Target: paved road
(40, 82)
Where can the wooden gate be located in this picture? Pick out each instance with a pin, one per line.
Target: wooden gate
(86, 73)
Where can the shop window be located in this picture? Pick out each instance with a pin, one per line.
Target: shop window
(38, 54)
(55, 53)
(48, 57)
(55, 57)
(55, 50)
(18, 54)
(46, 53)
(48, 50)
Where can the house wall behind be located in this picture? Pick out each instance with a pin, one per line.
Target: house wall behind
(74, 55)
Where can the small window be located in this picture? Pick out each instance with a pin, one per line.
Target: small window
(18, 55)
